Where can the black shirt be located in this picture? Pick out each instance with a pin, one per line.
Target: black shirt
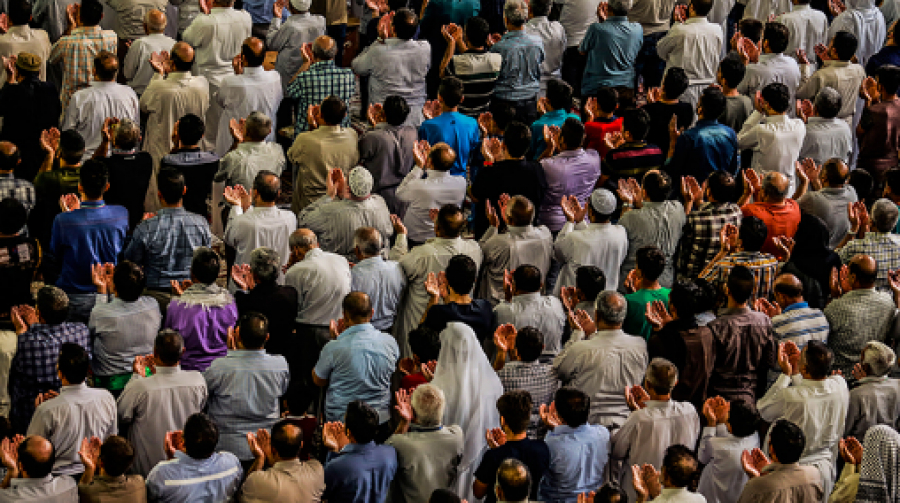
(19, 257)
(27, 109)
(279, 305)
(129, 177)
(513, 177)
(533, 453)
(660, 115)
(199, 169)
(479, 315)
(631, 160)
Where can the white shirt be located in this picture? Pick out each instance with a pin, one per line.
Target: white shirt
(678, 495)
(322, 280)
(762, 9)
(335, 222)
(288, 38)
(137, 67)
(826, 139)
(808, 28)
(260, 226)
(25, 39)
(776, 142)
(865, 21)
(576, 17)
(771, 68)
(842, 76)
(554, 37)
(545, 313)
(436, 189)
(241, 165)
(216, 38)
(49, 489)
(693, 46)
(723, 479)
(256, 90)
(78, 412)
(517, 246)
(602, 245)
(719, 16)
(90, 107)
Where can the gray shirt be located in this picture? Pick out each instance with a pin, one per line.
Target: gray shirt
(122, 330)
(875, 401)
(384, 282)
(826, 139)
(737, 109)
(655, 224)
(387, 152)
(527, 245)
(322, 280)
(553, 35)
(856, 318)
(288, 39)
(397, 67)
(830, 204)
(771, 68)
(48, 489)
(335, 221)
(428, 459)
(652, 14)
(545, 313)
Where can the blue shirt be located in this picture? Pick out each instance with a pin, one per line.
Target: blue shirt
(520, 73)
(552, 118)
(611, 47)
(360, 473)
(84, 237)
(260, 10)
(184, 478)
(164, 245)
(384, 282)
(577, 459)
(704, 149)
(358, 365)
(458, 131)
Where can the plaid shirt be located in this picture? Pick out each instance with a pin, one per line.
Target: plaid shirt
(536, 378)
(13, 187)
(700, 241)
(762, 265)
(857, 317)
(77, 52)
(883, 247)
(164, 245)
(33, 369)
(320, 81)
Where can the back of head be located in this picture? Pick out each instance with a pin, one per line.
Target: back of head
(679, 465)
(287, 439)
(267, 186)
(540, 7)
(651, 261)
(128, 134)
(106, 64)
(357, 307)
(36, 455)
(13, 216)
(461, 274)
(610, 493)
(517, 138)
(368, 241)
(529, 344)
(527, 278)
(91, 12)
(71, 146)
(865, 270)
(428, 404)
(424, 343)
(741, 284)
(405, 24)
(787, 440)
(324, 48)
(590, 281)
(9, 156)
(19, 12)
(303, 238)
(513, 480)
(777, 35)
(607, 99)
(686, 298)
(884, 215)
(182, 56)
(835, 172)
(129, 280)
(361, 421)
(205, 265)
(168, 347)
(778, 96)
(658, 185)
(333, 110)
(477, 31)
(559, 93)
(504, 113)
(191, 130)
(257, 126)
(450, 221)
(702, 7)
(722, 187)
(93, 178)
(444, 496)
(675, 83)
(74, 363)
(713, 102)
(253, 50)
(610, 307)
(515, 410)
(845, 44)
(155, 21)
(572, 133)
(515, 12)
(862, 182)
(395, 110)
(788, 285)
(817, 358)
(254, 330)
(878, 358)
(620, 7)
(442, 157)
(53, 304)
(170, 183)
(116, 454)
(752, 233)
(572, 405)
(743, 419)
(733, 70)
(661, 377)
(775, 187)
(889, 78)
(636, 121)
(752, 29)
(828, 103)
(451, 91)
(265, 264)
(200, 436)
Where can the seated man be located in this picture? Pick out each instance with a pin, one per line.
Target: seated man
(109, 461)
(784, 477)
(28, 478)
(288, 478)
(524, 371)
(876, 398)
(526, 307)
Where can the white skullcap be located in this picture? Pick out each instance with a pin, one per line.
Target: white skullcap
(361, 182)
(603, 201)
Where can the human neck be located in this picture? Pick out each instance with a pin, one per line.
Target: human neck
(733, 304)
(729, 92)
(514, 436)
(606, 115)
(445, 109)
(650, 285)
(259, 203)
(457, 298)
(164, 204)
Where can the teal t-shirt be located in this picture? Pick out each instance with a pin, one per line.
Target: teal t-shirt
(635, 321)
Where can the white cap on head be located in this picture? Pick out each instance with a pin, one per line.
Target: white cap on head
(603, 201)
(301, 5)
(361, 182)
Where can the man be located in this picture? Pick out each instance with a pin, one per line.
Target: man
(387, 151)
(610, 46)
(199, 166)
(85, 233)
(192, 456)
(520, 73)
(10, 186)
(382, 280)
(774, 207)
(552, 35)
(608, 242)
(605, 341)
(89, 107)
(555, 109)
(513, 482)
(784, 478)
(572, 171)
(20, 38)
(858, 314)
(827, 136)
(771, 65)
(288, 478)
(743, 341)
(705, 220)
(164, 244)
(428, 453)
(838, 73)
(259, 291)
(880, 244)
(328, 146)
(876, 130)
(172, 93)
(124, 327)
(83, 40)
(524, 306)
(288, 39)
(632, 154)
(810, 396)
(644, 288)
(447, 125)
(252, 90)
(655, 423)
(522, 244)
(808, 27)
(694, 45)
(642, 225)
(246, 386)
(348, 205)
(477, 68)
(524, 371)
(202, 312)
(865, 21)
(431, 257)
(708, 147)
(677, 473)
(152, 405)
(829, 199)
(252, 150)
(109, 460)
(317, 79)
(876, 398)
(28, 464)
(131, 17)
(450, 300)
(437, 189)
(59, 175)
(74, 413)
(137, 69)
(742, 248)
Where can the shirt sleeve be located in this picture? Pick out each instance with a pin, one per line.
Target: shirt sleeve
(748, 137)
(771, 405)
(325, 364)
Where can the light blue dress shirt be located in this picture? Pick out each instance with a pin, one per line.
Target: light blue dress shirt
(520, 74)
(360, 473)
(577, 459)
(383, 281)
(611, 47)
(184, 478)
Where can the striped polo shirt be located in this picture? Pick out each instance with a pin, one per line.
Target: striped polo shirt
(478, 70)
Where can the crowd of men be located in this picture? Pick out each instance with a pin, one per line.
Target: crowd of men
(500, 251)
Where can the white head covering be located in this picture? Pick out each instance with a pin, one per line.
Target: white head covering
(301, 5)
(361, 182)
(879, 473)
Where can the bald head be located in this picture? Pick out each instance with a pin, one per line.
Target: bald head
(357, 308)
(864, 268)
(442, 157)
(520, 211)
(775, 187)
(324, 48)
(789, 289)
(154, 21)
(835, 173)
(253, 52)
(287, 439)
(9, 156)
(303, 239)
(182, 57)
(36, 457)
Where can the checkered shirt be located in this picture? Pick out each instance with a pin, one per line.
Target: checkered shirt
(536, 378)
(164, 245)
(13, 187)
(700, 241)
(857, 317)
(320, 81)
(883, 247)
(77, 52)
(762, 265)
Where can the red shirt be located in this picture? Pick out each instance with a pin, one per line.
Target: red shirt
(780, 220)
(411, 381)
(596, 130)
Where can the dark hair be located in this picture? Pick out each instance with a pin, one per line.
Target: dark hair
(685, 297)
(752, 29)
(9, 162)
(129, 280)
(572, 133)
(168, 346)
(708, 295)
(733, 70)
(559, 93)
(504, 113)
(610, 493)
(590, 280)
(36, 469)
(287, 446)
(510, 480)
(253, 59)
(675, 83)
(93, 177)
(527, 278)
(658, 185)
(818, 358)
(702, 7)
(529, 344)
(361, 421)
(74, 362)
(515, 409)
(205, 265)
(254, 329)
(267, 185)
(191, 129)
(752, 233)
(789, 290)
(787, 440)
(445, 220)
(651, 261)
(722, 187)
(116, 454)
(540, 7)
(451, 91)
(713, 102)
(637, 122)
(517, 138)
(833, 173)
(607, 99)
(444, 495)
(200, 436)
(743, 419)
(477, 31)
(862, 181)
(845, 44)
(53, 304)
(425, 343)
(106, 64)
(777, 35)
(357, 306)
(889, 78)
(396, 110)
(170, 183)
(461, 273)
(680, 465)
(91, 12)
(778, 96)
(405, 23)
(13, 216)
(333, 110)
(71, 146)
(20, 12)
(573, 406)
(741, 284)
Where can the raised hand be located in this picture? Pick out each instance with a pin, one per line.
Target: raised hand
(769, 309)
(493, 39)
(812, 172)
(173, 442)
(159, 61)
(334, 436)
(384, 26)
(428, 370)
(543, 105)
(180, 287)
(657, 314)
(690, 189)
(278, 8)
(43, 397)
(505, 337)
(785, 246)
(9, 453)
(636, 397)
(397, 223)
(508, 288)
(551, 137)
(242, 276)
(868, 90)
(306, 52)
(788, 358)
(375, 114)
(486, 123)
(260, 444)
(680, 13)
(404, 405)
(22, 317)
(495, 437)
(572, 209)
(591, 109)
(549, 415)
(836, 7)
(336, 328)
(431, 109)
(729, 239)
(492, 149)
(747, 50)
(313, 114)
(90, 453)
(569, 297)
(613, 140)
(50, 140)
(801, 57)
(752, 182)
(637, 480)
(73, 14)
(205, 6)
(654, 94)
(603, 11)
(503, 202)
(107, 129)
(237, 128)
(754, 462)
(626, 194)
(851, 450)
(805, 109)
(421, 149)
(4, 23)
(584, 322)
(69, 202)
(709, 411)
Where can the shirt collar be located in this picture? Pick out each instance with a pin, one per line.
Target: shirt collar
(73, 388)
(178, 209)
(355, 329)
(527, 297)
(93, 204)
(178, 75)
(100, 83)
(219, 9)
(168, 370)
(519, 231)
(85, 29)
(425, 429)
(570, 153)
(796, 305)
(30, 482)
(797, 7)
(311, 254)
(869, 379)
(707, 122)
(246, 353)
(771, 119)
(376, 258)
(696, 20)
(823, 120)
(352, 448)
(839, 64)
(617, 19)
(254, 70)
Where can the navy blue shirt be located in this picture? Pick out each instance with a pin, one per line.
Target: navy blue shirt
(360, 473)
(533, 453)
(888, 55)
(90, 235)
(704, 149)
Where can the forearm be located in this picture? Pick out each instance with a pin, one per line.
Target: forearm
(402, 427)
(499, 360)
(446, 59)
(47, 165)
(88, 476)
(102, 151)
(258, 465)
(706, 270)
(431, 302)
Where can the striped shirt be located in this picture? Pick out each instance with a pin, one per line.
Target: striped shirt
(77, 52)
(700, 242)
(184, 478)
(122, 330)
(798, 323)
(633, 160)
(478, 70)
(762, 265)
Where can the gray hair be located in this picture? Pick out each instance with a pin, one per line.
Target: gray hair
(620, 7)
(879, 357)
(828, 102)
(884, 215)
(298, 240)
(258, 125)
(611, 307)
(324, 54)
(128, 134)
(368, 240)
(53, 304)
(155, 27)
(428, 403)
(661, 377)
(770, 189)
(515, 12)
(265, 264)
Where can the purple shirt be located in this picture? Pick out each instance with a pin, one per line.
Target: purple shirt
(204, 329)
(569, 173)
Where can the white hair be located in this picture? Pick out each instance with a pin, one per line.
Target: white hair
(879, 357)
(428, 404)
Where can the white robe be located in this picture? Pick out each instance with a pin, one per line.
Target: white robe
(865, 21)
